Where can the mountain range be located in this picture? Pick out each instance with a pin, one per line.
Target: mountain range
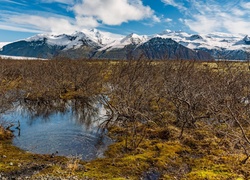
(95, 44)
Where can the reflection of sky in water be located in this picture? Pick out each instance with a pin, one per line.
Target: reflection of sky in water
(60, 132)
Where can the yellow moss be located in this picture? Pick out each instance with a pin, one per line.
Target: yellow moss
(167, 177)
(210, 174)
(239, 178)
(14, 159)
(120, 165)
(168, 148)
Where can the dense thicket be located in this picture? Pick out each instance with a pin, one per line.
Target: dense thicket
(142, 96)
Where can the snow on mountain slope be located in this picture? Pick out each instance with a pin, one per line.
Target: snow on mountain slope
(74, 40)
(102, 37)
(105, 40)
(92, 37)
(208, 41)
(3, 44)
(108, 41)
(219, 41)
(132, 38)
(94, 41)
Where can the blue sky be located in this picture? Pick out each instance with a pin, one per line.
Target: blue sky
(23, 18)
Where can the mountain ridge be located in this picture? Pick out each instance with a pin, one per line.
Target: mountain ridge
(98, 44)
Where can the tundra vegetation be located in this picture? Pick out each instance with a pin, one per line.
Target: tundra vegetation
(168, 119)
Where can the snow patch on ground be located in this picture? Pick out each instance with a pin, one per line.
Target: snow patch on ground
(20, 58)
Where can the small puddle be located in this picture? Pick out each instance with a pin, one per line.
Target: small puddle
(62, 128)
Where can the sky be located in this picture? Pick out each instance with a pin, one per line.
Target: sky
(20, 19)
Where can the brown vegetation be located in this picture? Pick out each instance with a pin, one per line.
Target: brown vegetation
(200, 110)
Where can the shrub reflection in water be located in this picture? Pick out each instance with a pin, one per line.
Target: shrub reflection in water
(59, 126)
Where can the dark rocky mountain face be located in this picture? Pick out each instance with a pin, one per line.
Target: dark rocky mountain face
(116, 54)
(247, 40)
(82, 52)
(225, 54)
(195, 37)
(31, 49)
(159, 48)
(154, 49)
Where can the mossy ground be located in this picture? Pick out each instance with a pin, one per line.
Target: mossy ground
(188, 158)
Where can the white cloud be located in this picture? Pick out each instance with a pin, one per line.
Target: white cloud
(86, 22)
(214, 16)
(17, 28)
(202, 24)
(238, 12)
(87, 14)
(237, 25)
(50, 24)
(156, 19)
(113, 12)
(168, 20)
(178, 5)
(245, 5)
(13, 2)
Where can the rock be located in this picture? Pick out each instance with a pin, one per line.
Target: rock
(4, 156)
(81, 167)
(11, 163)
(152, 174)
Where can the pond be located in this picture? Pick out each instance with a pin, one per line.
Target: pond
(67, 128)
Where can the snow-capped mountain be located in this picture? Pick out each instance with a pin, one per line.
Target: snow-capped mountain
(219, 45)
(49, 45)
(97, 44)
(209, 41)
(75, 40)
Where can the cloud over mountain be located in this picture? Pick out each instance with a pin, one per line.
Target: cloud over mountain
(112, 12)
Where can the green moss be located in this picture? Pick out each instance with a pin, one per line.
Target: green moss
(171, 158)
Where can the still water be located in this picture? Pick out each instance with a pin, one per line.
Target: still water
(65, 128)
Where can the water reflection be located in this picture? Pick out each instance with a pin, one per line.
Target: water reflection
(66, 127)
